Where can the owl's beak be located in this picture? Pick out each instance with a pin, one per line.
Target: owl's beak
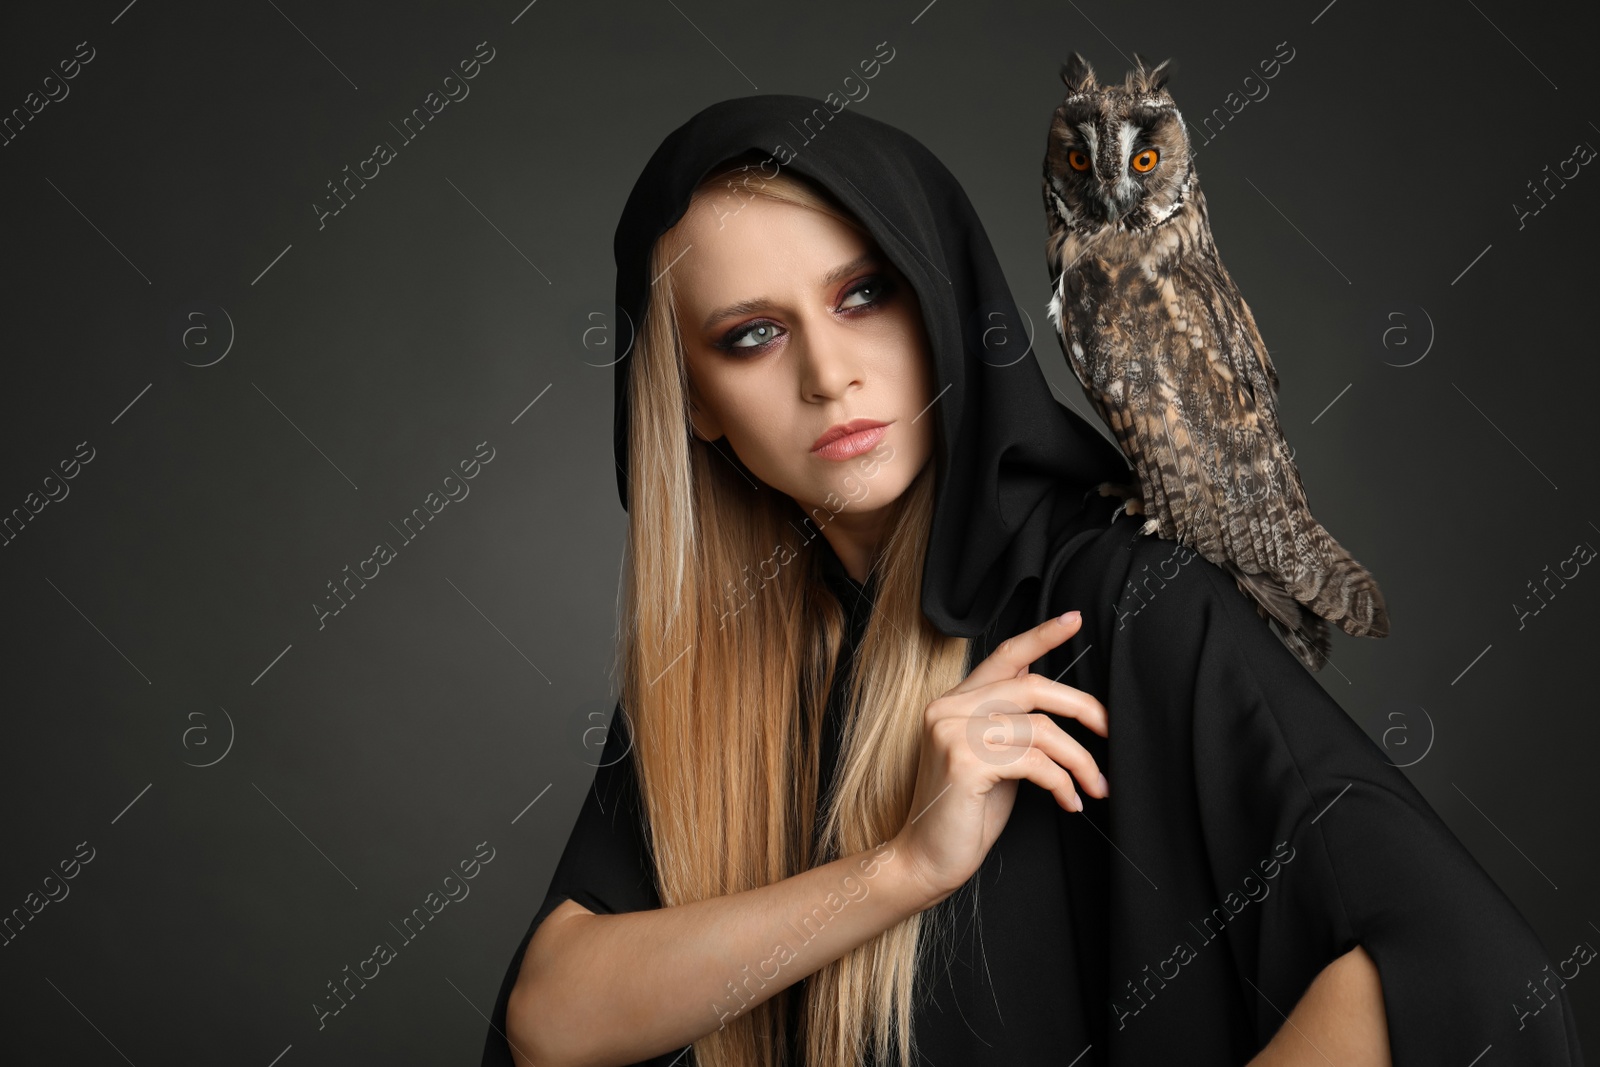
(1118, 202)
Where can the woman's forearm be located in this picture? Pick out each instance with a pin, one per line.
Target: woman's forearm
(1339, 1019)
(614, 989)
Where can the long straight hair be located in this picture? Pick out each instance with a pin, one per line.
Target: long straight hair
(728, 649)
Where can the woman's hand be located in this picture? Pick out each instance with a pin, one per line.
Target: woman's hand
(979, 740)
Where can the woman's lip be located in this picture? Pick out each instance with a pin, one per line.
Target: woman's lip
(851, 444)
(833, 433)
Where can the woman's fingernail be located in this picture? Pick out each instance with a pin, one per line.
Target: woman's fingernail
(1072, 616)
(1105, 786)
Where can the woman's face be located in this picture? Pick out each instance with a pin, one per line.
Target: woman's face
(794, 323)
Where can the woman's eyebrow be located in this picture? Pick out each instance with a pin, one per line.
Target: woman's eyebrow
(833, 277)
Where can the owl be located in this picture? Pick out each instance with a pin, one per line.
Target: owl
(1161, 340)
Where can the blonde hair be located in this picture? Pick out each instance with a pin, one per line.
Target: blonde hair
(726, 709)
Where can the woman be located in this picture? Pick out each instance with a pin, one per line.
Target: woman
(818, 762)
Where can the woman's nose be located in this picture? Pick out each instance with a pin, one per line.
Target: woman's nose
(830, 366)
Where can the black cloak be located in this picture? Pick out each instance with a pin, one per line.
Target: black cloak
(1254, 832)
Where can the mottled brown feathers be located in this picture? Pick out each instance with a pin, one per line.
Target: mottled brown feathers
(1168, 352)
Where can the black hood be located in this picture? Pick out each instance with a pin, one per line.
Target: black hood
(1009, 454)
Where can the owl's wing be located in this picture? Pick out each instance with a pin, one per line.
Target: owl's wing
(1250, 341)
(1225, 281)
(1267, 523)
(1193, 405)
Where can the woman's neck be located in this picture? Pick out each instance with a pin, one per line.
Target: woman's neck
(855, 546)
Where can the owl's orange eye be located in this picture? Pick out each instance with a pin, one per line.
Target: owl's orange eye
(1078, 160)
(1145, 161)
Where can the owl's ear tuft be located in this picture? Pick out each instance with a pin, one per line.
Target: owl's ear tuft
(1156, 79)
(1077, 74)
(1145, 78)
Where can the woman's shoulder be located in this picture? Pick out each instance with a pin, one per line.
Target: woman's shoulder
(1157, 616)
(1114, 573)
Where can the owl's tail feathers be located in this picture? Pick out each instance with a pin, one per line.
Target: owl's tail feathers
(1348, 596)
(1302, 630)
(1310, 642)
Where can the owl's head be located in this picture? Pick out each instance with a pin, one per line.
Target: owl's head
(1117, 154)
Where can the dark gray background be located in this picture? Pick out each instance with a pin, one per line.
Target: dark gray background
(161, 614)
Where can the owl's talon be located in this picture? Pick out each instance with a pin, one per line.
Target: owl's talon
(1132, 502)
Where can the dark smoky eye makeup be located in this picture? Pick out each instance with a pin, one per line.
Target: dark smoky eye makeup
(727, 343)
(881, 281)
